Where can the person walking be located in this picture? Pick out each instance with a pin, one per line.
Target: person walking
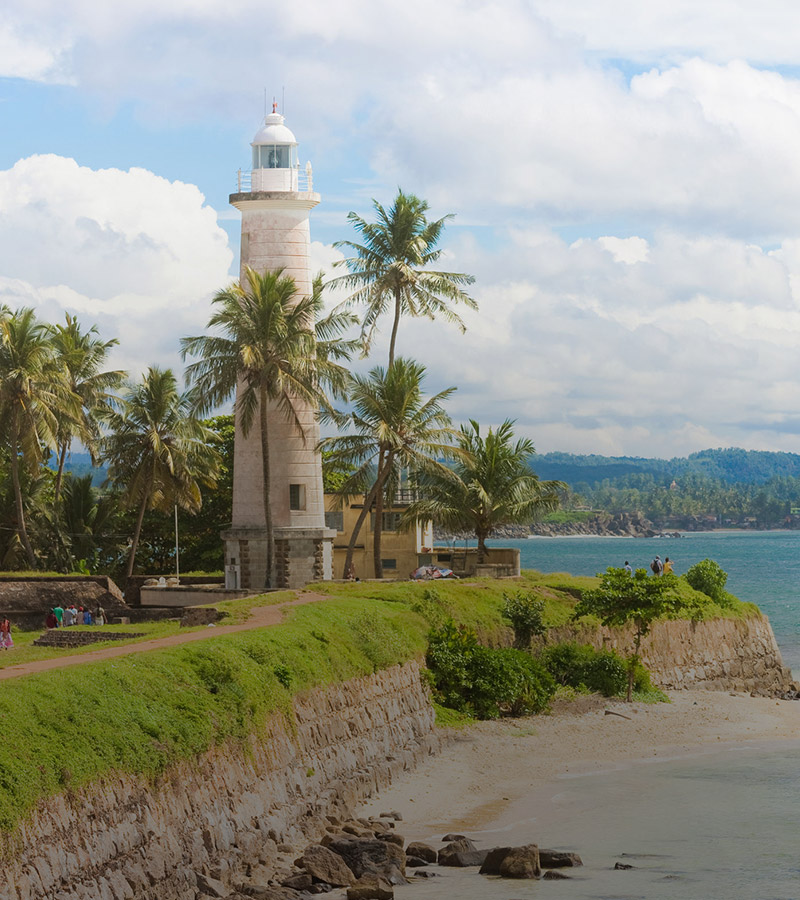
(668, 566)
(58, 612)
(52, 620)
(99, 616)
(657, 566)
(6, 642)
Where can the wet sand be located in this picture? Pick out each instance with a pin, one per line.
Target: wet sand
(488, 768)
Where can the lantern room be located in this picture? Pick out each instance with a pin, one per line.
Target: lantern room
(275, 162)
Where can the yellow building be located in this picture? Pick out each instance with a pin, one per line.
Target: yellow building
(401, 551)
(404, 551)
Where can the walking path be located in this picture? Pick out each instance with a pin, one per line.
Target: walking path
(261, 617)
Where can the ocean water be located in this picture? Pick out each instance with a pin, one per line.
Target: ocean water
(722, 825)
(763, 567)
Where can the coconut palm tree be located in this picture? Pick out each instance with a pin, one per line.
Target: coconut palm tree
(393, 425)
(491, 484)
(83, 355)
(269, 349)
(390, 270)
(35, 399)
(158, 452)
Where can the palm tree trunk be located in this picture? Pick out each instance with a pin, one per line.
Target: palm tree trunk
(368, 501)
(265, 472)
(22, 530)
(60, 473)
(378, 529)
(137, 532)
(483, 550)
(395, 325)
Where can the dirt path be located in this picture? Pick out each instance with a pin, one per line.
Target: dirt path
(262, 617)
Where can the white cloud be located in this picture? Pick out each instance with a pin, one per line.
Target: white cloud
(137, 254)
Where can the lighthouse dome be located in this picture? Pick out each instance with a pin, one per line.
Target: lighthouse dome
(273, 131)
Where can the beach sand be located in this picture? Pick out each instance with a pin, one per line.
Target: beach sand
(483, 774)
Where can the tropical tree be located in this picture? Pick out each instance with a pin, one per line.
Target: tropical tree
(158, 452)
(393, 426)
(83, 355)
(35, 399)
(270, 348)
(639, 599)
(390, 269)
(491, 484)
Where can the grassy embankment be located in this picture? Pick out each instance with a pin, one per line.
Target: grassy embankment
(139, 714)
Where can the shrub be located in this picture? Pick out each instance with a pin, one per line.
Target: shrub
(485, 682)
(709, 578)
(433, 608)
(524, 612)
(574, 665)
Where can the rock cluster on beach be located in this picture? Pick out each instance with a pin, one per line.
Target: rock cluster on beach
(368, 858)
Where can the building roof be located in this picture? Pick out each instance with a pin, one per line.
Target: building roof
(273, 131)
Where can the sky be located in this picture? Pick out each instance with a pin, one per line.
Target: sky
(624, 179)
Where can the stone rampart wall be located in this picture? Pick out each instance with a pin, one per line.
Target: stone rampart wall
(721, 654)
(231, 809)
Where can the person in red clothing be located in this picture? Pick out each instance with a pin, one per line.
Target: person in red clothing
(52, 620)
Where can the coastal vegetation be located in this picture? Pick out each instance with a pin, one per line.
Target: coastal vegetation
(143, 713)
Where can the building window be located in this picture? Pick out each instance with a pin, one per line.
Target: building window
(391, 521)
(335, 520)
(444, 557)
(389, 563)
(297, 496)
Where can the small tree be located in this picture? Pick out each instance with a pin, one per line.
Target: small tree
(640, 600)
(524, 612)
(709, 578)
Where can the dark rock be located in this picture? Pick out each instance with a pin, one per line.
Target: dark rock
(557, 859)
(454, 837)
(461, 853)
(554, 875)
(300, 882)
(414, 862)
(322, 864)
(422, 851)
(521, 862)
(266, 892)
(494, 858)
(620, 865)
(394, 814)
(371, 857)
(424, 873)
(392, 837)
(371, 887)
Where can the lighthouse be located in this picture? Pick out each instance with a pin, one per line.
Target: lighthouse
(275, 200)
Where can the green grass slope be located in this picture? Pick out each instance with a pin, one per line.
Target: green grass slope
(139, 714)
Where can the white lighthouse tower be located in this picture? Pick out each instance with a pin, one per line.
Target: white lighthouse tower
(275, 201)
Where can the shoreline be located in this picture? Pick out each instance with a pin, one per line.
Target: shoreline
(491, 771)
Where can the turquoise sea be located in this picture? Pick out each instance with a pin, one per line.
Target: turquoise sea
(716, 826)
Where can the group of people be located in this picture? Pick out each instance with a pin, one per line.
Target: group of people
(657, 566)
(64, 617)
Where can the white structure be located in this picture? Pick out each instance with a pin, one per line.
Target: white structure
(275, 202)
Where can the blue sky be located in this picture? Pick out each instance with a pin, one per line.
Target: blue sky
(625, 179)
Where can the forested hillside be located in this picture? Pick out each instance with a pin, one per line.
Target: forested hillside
(733, 487)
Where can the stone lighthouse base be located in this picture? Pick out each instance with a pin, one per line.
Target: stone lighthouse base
(301, 555)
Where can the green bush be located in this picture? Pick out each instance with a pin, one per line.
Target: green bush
(433, 608)
(709, 578)
(581, 666)
(524, 612)
(485, 682)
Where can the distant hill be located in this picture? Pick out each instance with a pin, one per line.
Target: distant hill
(80, 464)
(732, 466)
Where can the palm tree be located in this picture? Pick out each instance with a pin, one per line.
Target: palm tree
(491, 484)
(83, 356)
(393, 426)
(158, 452)
(35, 400)
(270, 350)
(390, 269)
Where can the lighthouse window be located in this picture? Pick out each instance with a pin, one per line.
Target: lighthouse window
(271, 156)
(297, 496)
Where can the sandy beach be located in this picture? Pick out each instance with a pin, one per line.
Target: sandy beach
(490, 767)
